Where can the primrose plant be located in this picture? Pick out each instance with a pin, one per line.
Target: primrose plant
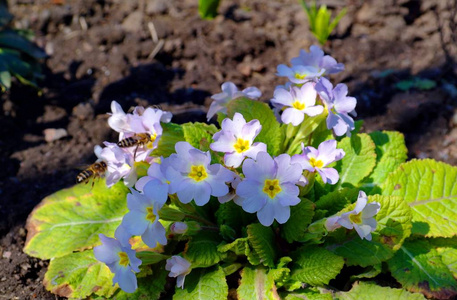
(288, 202)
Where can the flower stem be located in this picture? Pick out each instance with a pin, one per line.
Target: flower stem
(200, 219)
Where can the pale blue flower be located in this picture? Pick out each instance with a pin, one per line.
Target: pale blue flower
(178, 228)
(315, 58)
(121, 261)
(143, 216)
(230, 92)
(120, 165)
(179, 268)
(338, 105)
(361, 218)
(269, 187)
(299, 74)
(192, 176)
(158, 173)
(236, 140)
(313, 160)
(296, 103)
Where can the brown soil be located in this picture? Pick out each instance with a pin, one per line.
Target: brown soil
(151, 52)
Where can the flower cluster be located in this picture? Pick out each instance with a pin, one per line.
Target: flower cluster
(235, 166)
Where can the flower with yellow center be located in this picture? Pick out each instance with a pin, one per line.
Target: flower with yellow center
(236, 140)
(269, 187)
(193, 177)
(121, 260)
(296, 102)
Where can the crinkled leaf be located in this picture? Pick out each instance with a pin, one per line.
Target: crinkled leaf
(316, 266)
(171, 134)
(281, 273)
(391, 151)
(358, 162)
(78, 275)
(199, 135)
(308, 294)
(204, 284)
(393, 227)
(300, 217)
(256, 283)
(371, 291)
(234, 216)
(430, 189)
(447, 248)
(271, 134)
(370, 272)
(201, 250)
(262, 241)
(335, 201)
(71, 219)
(420, 268)
(238, 246)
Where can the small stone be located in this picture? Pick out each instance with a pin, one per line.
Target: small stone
(83, 111)
(133, 22)
(7, 254)
(156, 7)
(52, 134)
(21, 232)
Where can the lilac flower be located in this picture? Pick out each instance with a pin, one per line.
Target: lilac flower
(339, 106)
(120, 165)
(235, 139)
(296, 103)
(299, 74)
(313, 160)
(232, 192)
(230, 92)
(121, 261)
(316, 59)
(143, 217)
(269, 187)
(157, 172)
(361, 218)
(178, 227)
(178, 267)
(192, 176)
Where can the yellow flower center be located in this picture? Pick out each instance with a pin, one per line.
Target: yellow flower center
(298, 105)
(241, 145)
(150, 216)
(300, 76)
(316, 163)
(124, 259)
(198, 173)
(357, 219)
(150, 144)
(271, 187)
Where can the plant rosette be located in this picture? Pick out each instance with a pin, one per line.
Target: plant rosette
(282, 200)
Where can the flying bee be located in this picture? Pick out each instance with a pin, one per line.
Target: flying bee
(139, 139)
(96, 170)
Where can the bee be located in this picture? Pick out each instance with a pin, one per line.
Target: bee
(96, 170)
(139, 139)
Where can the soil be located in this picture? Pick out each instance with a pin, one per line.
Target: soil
(159, 52)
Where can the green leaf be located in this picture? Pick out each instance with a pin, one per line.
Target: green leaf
(391, 151)
(316, 266)
(256, 283)
(149, 287)
(358, 162)
(71, 219)
(393, 227)
(369, 272)
(10, 39)
(419, 268)
(208, 8)
(429, 187)
(150, 258)
(371, 291)
(300, 217)
(271, 134)
(172, 133)
(308, 294)
(405, 85)
(78, 275)
(447, 248)
(234, 216)
(199, 135)
(238, 246)
(425, 84)
(201, 250)
(204, 284)
(262, 241)
(337, 200)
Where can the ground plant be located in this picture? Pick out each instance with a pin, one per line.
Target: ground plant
(272, 203)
